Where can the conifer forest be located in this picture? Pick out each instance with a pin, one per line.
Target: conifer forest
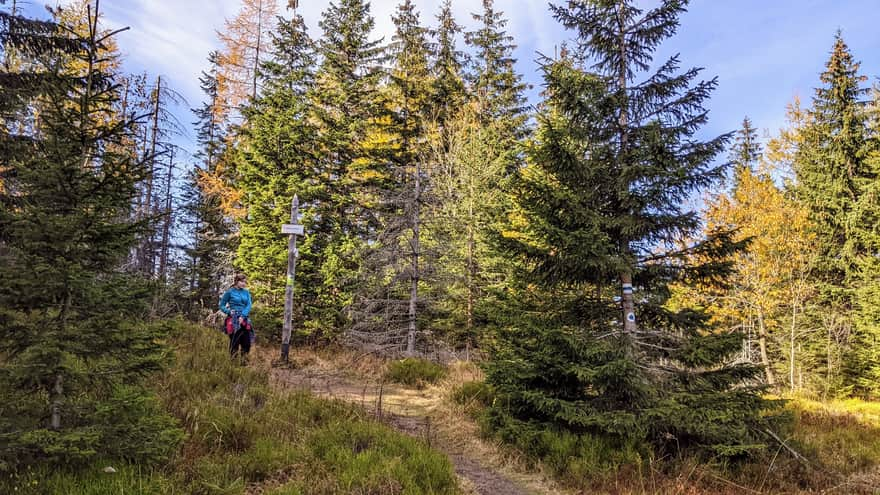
(502, 271)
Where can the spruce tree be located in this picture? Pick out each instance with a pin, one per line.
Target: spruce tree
(275, 160)
(492, 78)
(835, 181)
(746, 150)
(830, 165)
(350, 114)
(469, 169)
(865, 365)
(449, 89)
(395, 265)
(74, 346)
(478, 149)
(599, 220)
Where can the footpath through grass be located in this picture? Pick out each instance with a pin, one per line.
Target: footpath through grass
(242, 436)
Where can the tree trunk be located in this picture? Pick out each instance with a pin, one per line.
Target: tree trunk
(762, 344)
(58, 396)
(148, 255)
(628, 302)
(166, 227)
(791, 356)
(257, 49)
(471, 277)
(414, 276)
(828, 371)
(471, 264)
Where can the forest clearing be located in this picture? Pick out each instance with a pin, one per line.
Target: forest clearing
(390, 256)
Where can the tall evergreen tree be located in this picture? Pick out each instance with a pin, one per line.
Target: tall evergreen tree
(469, 169)
(276, 159)
(449, 90)
(600, 216)
(831, 163)
(74, 346)
(492, 78)
(396, 262)
(475, 158)
(350, 113)
(746, 149)
(833, 174)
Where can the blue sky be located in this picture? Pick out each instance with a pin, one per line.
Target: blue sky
(764, 52)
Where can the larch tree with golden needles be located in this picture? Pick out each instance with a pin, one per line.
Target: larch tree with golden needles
(385, 316)
(246, 41)
(766, 294)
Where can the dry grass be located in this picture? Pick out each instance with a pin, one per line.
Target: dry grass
(841, 438)
(460, 432)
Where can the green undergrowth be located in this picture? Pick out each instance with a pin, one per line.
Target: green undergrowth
(241, 432)
(842, 438)
(837, 447)
(473, 396)
(414, 372)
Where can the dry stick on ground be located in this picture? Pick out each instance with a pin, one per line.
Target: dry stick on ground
(428, 430)
(770, 468)
(379, 400)
(793, 452)
(737, 485)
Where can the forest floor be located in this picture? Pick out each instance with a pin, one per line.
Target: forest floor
(426, 414)
(845, 437)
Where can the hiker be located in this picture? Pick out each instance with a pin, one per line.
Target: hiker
(236, 303)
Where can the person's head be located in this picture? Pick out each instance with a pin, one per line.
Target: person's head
(240, 281)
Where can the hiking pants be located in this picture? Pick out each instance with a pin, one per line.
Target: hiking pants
(240, 339)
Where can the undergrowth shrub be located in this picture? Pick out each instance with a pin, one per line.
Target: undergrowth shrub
(414, 372)
(240, 432)
(474, 396)
(108, 410)
(473, 392)
(573, 458)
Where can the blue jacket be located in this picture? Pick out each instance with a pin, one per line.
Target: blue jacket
(238, 300)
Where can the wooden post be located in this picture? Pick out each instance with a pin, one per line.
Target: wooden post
(293, 230)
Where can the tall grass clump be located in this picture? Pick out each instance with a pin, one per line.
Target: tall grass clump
(241, 433)
(414, 372)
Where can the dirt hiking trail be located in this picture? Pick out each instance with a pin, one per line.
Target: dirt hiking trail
(425, 414)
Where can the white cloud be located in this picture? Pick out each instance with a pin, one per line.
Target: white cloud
(762, 51)
(173, 38)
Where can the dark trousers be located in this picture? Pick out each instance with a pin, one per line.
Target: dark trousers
(240, 339)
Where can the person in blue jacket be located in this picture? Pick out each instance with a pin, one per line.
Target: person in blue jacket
(236, 303)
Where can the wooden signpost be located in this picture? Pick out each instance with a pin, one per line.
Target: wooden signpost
(292, 229)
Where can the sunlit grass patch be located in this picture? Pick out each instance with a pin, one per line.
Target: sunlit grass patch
(92, 480)
(242, 433)
(843, 436)
(414, 372)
